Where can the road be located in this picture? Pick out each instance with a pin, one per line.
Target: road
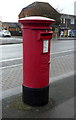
(11, 54)
(15, 50)
(11, 51)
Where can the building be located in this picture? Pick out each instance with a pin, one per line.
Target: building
(64, 22)
(75, 8)
(14, 28)
(40, 9)
(0, 23)
(68, 22)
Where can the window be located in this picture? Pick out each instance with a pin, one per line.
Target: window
(64, 20)
(61, 20)
(72, 21)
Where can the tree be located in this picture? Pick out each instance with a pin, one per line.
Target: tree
(59, 10)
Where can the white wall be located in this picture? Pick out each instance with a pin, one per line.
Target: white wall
(75, 8)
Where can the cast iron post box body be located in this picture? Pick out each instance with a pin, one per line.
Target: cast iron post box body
(36, 57)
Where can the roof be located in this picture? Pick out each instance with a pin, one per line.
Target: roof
(39, 5)
(68, 15)
(43, 9)
(12, 25)
(30, 6)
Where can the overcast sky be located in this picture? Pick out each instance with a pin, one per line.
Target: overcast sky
(9, 9)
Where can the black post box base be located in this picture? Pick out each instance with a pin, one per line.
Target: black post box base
(35, 96)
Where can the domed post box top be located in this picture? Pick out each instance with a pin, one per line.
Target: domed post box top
(36, 22)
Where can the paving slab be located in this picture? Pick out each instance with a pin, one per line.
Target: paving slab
(61, 103)
(60, 67)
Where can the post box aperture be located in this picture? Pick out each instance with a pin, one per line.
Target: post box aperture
(36, 57)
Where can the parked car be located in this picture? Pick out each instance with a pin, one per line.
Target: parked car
(62, 33)
(5, 33)
(65, 33)
(69, 33)
(73, 33)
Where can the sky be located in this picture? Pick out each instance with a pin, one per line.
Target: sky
(10, 9)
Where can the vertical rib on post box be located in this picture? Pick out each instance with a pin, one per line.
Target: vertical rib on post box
(36, 57)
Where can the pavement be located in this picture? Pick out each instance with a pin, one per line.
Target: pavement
(61, 91)
(61, 103)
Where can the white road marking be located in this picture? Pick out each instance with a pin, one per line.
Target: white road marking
(6, 60)
(63, 51)
(10, 66)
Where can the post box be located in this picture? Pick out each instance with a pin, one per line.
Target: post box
(36, 59)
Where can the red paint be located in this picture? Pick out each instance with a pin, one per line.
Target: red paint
(35, 62)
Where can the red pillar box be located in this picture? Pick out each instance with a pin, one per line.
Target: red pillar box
(36, 57)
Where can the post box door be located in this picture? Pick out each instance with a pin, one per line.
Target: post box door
(45, 58)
